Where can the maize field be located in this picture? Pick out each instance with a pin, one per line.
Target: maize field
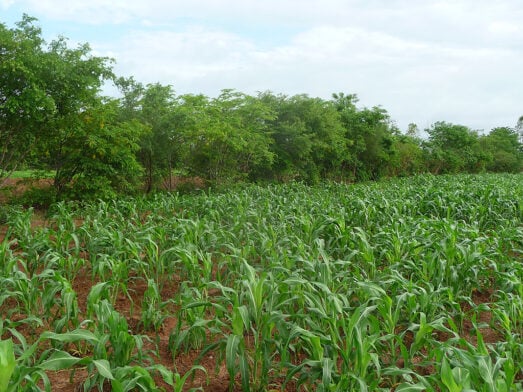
(411, 284)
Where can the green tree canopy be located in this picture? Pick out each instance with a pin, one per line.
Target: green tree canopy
(453, 148)
(51, 108)
(154, 107)
(26, 105)
(505, 150)
(308, 138)
(227, 136)
(369, 137)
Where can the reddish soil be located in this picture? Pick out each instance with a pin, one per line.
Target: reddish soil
(490, 335)
(66, 381)
(216, 379)
(12, 188)
(187, 183)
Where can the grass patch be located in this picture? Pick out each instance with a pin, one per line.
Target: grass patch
(31, 173)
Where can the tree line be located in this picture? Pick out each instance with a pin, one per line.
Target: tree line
(54, 117)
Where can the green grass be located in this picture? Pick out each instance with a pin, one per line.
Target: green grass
(30, 173)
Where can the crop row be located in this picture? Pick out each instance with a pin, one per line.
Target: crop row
(403, 285)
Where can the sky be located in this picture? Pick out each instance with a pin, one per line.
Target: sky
(423, 61)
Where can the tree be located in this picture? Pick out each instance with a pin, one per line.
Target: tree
(413, 130)
(26, 107)
(74, 78)
(290, 145)
(454, 148)
(369, 137)
(160, 148)
(227, 137)
(51, 109)
(98, 159)
(505, 149)
(408, 157)
(519, 129)
(307, 134)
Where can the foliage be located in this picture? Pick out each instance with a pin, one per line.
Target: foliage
(53, 118)
(505, 149)
(308, 137)
(26, 107)
(229, 137)
(369, 134)
(453, 149)
(152, 106)
(404, 284)
(98, 160)
(407, 157)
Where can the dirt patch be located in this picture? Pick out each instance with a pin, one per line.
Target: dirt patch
(13, 188)
(3, 232)
(481, 300)
(183, 183)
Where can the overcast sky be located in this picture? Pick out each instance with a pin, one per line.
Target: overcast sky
(422, 60)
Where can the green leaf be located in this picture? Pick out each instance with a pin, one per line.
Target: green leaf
(71, 337)
(482, 348)
(462, 377)
(196, 304)
(180, 381)
(7, 363)
(447, 377)
(244, 372)
(116, 386)
(317, 348)
(410, 387)
(59, 360)
(237, 322)
(326, 379)
(167, 375)
(510, 370)
(231, 351)
(104, 368)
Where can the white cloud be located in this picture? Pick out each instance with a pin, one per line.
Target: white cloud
(5, 4)
(454, 60)
(86, 12)
(504, 28)
(185, 56)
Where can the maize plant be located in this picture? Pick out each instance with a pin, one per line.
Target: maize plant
(411, 284)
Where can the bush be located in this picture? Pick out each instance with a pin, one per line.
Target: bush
(39, 198)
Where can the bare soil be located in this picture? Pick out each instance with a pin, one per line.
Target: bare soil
(13, 188)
